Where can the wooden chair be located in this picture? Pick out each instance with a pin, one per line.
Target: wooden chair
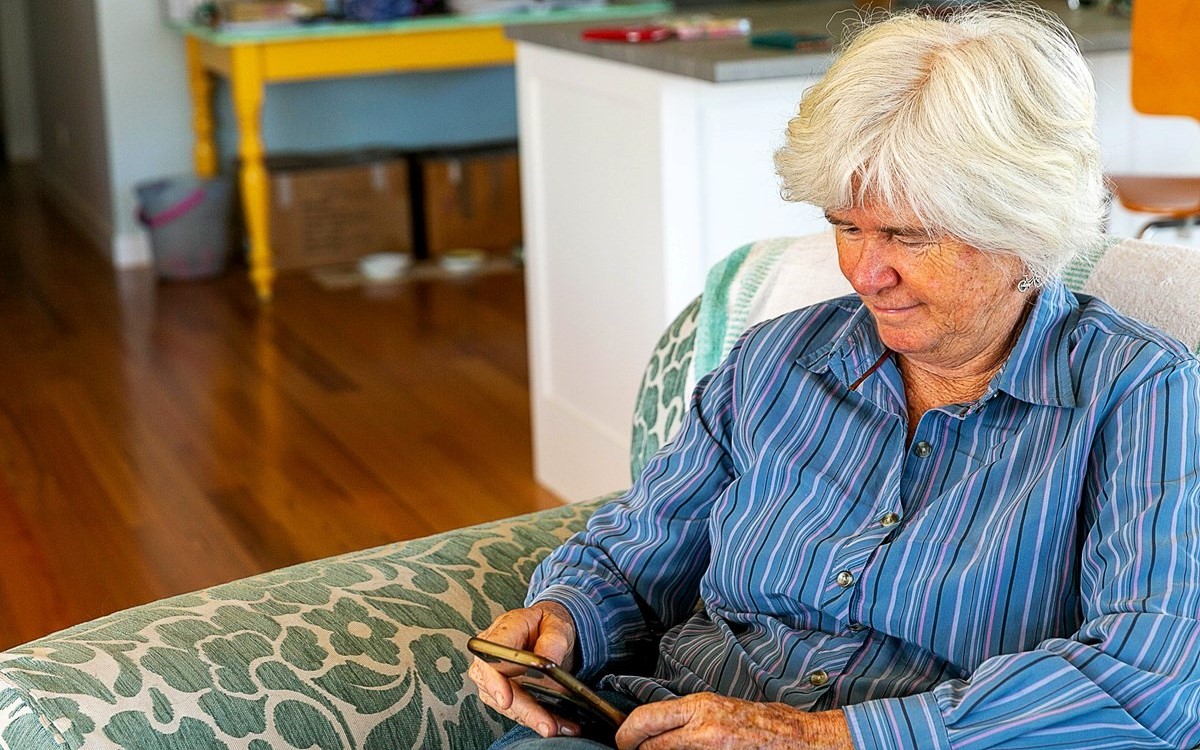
(1165, 58)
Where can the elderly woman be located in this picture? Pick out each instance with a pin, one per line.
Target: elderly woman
(959, 509)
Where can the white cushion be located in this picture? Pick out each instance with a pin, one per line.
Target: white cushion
(1156, 284)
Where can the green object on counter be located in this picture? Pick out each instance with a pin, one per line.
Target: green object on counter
(793, 40)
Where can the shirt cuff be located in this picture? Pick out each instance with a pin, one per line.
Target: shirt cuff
(592, 647)
(911, 723)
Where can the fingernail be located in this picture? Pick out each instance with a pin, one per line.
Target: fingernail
(545, 730)
(496, 697)
(568, 731)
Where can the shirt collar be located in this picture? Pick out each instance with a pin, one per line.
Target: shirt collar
(852, 350)
(1037, 370)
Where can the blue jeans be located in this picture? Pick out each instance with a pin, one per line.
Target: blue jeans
(524, 738)
(530, 740)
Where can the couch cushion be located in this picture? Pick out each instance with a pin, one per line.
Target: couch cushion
(1153, 283)
(24, 728)
(366, 650)
(662, 395)
(1156, 284)
(760, 281)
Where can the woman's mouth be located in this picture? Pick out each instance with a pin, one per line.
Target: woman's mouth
(894, 309)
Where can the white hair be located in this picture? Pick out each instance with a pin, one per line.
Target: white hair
(981, 121)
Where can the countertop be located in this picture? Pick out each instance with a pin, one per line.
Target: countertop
(611, 13)
(727, 60)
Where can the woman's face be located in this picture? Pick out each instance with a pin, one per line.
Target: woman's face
(935, 300)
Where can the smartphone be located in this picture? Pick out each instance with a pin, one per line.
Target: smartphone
(644, 33)
(569, 698)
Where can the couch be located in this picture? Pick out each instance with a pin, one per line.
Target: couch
(367, 650)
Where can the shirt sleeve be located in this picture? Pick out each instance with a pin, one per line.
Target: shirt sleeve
(1130, 677)
(635, 570)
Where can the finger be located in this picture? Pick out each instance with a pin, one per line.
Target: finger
(535, 629)
(506, 698)
(525, 710)
(652, 720)
(675, 739)
(567, 727)
(493, 687)
(514, 628)
(555, 640)
(505, 669)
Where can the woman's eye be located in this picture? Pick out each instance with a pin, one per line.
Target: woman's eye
(914, 242)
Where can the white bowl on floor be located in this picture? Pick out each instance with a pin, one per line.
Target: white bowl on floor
(384, 266)
(462, 260)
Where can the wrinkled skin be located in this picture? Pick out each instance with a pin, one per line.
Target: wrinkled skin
(939, 303)
(949, 311)
(546, 629)
(707, 721)
(697, 722)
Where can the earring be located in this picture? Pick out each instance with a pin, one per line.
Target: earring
(1025, 284)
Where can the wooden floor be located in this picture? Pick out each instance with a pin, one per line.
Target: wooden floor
(156, 439)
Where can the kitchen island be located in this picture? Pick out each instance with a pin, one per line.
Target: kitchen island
(643, 164)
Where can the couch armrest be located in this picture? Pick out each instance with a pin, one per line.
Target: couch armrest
(365, 650)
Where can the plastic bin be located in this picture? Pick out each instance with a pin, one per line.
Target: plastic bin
(188, 220)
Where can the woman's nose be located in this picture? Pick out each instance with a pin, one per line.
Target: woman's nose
(869, 268)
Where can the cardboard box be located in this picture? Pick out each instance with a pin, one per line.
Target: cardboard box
(338, 208)
(470, 199)
(267, 11)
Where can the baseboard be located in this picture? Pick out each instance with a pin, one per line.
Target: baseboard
(131, 249)
(82, 215)
(127, 249)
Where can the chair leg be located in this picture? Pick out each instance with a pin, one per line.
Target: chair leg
(1165, 224)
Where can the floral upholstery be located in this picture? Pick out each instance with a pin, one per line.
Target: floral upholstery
(662, 397)
(366, 650)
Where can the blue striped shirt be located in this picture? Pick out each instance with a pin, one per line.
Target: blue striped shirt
(1025, 573)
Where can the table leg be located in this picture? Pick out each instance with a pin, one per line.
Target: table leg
(247, 83)
(205, 152)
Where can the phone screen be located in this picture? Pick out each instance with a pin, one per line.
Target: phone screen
(567, 697)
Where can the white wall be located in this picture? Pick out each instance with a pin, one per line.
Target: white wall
(147, 112)
(1139, 144)
(112, 110)
(64, 48)
(16, 82)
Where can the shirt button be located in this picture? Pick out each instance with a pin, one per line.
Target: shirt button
(855, 627)
(922, 449)
(819, 678)
(889, 519)
(845, 579)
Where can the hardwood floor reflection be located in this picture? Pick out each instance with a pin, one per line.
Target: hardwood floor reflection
(156, 439)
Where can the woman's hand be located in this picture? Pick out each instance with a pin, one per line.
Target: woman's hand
(546, 629)
(706, 721)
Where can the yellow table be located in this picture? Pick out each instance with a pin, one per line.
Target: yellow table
(251, 60)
